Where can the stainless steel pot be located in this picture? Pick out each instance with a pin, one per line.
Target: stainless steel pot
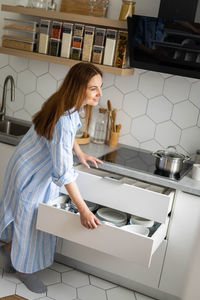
(170, 161)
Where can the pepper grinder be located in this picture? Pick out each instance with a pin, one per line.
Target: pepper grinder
(52, 5)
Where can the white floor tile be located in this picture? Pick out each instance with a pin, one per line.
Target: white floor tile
(120, 293)
(11, 277)
(90, 293)
(60, 268)
(61, 291)
(48, 276)
(6, 288)
(24, 292)
(103, 284)
(75, 285)
(75, 278)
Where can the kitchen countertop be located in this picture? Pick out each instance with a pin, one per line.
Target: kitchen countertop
(186, 184)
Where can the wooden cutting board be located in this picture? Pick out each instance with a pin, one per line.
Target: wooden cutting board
(80, 7)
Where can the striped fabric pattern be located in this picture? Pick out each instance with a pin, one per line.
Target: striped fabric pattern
(34, 174)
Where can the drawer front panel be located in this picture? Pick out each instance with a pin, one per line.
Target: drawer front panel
(107, 239)
(128, 198)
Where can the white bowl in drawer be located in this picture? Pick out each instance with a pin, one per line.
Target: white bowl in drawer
(136, 229)
(141, 221)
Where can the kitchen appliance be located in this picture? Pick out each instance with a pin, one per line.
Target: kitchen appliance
(143, 161)
(170, 160)
(164, 45)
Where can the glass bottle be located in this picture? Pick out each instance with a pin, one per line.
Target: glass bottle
(100, 127)
(127, 9)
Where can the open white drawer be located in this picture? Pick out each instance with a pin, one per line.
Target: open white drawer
(108, 239)
(96, 186)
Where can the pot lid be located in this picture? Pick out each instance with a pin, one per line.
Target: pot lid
(170, 153)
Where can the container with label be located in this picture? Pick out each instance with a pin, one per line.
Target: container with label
(54, 47)
(76, 53)
(97, 54)
(17, 44)
(77, 41)
(56, 30)
(88, 42)
(122, 47)
(109, 51)
(99, 37)
(44, 36)
(66, 39)
(127, 9)
(78, 29)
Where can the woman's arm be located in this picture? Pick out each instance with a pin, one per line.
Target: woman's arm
(83, 157)
(88, 219)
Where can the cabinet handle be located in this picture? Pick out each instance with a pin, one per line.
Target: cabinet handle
(112, 179)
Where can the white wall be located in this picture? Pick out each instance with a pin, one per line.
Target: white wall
(156, 110)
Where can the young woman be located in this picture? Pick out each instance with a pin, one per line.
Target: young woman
(40, 165)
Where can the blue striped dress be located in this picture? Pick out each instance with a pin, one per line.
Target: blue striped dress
(35, 173)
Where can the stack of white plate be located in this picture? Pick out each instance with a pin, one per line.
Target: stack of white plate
(141, 221)
(92, 206)
(113, 216)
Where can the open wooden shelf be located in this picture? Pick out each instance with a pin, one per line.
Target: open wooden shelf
(62, 61)
(65, 16)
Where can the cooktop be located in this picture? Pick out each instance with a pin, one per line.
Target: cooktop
(142, 160)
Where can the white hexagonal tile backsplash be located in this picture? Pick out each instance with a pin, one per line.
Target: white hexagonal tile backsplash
(155, 109)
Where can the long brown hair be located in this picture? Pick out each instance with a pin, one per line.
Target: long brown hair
(70, 95)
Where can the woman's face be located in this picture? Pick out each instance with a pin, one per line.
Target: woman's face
(93, 91)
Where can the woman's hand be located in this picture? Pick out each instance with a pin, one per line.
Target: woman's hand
(84, 158)
(89, 220)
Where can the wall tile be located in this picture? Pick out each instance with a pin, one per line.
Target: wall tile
(127, 84)
(143, 128)
(33, 103)
(159, 109)
(190, 140)
(185, 114)
(135, 104)
(151, 84)
(114, 95)
(18, 63)
(58, 71)
(176, 89)
(167, 134)
(46, 85)
(3, 60)
(123, 118)
(38, 67)
(26, 82)
(194, 93)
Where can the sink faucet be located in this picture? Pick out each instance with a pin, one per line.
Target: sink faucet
(12, 95)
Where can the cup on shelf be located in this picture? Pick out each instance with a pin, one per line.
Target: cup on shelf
(196, 172)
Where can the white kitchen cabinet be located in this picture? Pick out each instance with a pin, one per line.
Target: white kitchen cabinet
(182, 237)
(104, 188)
(5, 153)
(108, 239)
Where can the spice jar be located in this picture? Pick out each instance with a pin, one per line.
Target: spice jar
(78, 29)
(77, 42)
(76, 53)
(99, 37)
(44, 36)
(127, 9)
(66, 39)
(97, 54)
(88, 42)
(54, 47)
(56, 30)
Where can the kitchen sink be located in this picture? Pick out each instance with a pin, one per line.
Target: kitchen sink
(12, 130)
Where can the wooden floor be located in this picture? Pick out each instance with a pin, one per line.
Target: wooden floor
(13, 297)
